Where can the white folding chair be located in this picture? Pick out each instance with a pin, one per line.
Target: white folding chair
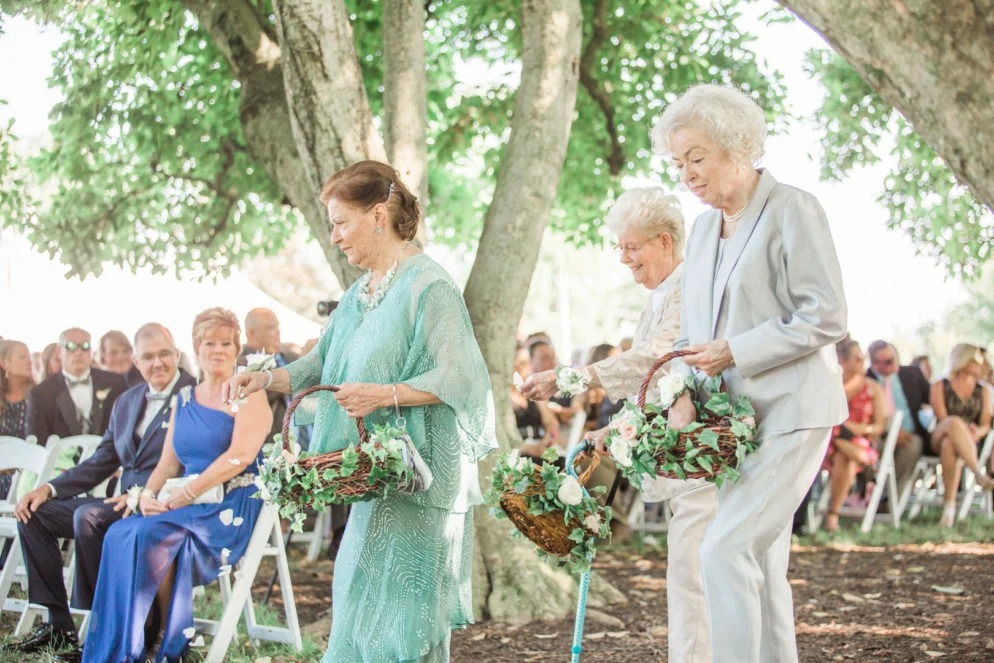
(314, 538)
(22, 457)
(648, 517)
(972, 490)
(267, 539)
(80, 447)
(885, 481)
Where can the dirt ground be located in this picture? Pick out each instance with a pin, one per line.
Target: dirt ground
(903, 603)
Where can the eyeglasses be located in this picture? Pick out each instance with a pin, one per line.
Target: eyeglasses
(72, 346)
(164, 355)
(883, 362)
(635, 247)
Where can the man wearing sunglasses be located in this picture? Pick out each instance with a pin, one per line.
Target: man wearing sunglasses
(76, 401)
(905, 389)
(60, 508)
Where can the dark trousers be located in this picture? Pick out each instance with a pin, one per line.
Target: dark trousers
(85, 519)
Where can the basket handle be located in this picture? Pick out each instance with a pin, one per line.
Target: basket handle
(665, 359)
(303, 393)
(571, 462)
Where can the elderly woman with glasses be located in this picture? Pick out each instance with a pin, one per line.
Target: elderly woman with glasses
(763, 306)
(649, 228)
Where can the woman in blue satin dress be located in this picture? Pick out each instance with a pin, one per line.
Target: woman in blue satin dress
(151, 563)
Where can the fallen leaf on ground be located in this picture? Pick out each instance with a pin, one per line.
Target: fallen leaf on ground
(547, 636)
(949, 590)
(853, 598)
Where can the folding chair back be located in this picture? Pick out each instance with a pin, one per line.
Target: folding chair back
(267, 539)
(886, 479)
(22, 457)
(69, 451)
(972, 490)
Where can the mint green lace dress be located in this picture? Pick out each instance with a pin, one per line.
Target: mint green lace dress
(403, 572)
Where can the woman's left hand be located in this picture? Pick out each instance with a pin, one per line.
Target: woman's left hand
(712, 358)
(360, 398)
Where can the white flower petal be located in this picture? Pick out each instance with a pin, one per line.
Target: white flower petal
(189, 632)
(237, 522)
(226, 516)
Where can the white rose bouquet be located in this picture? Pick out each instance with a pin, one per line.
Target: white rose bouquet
(541, 497)
(642, 443)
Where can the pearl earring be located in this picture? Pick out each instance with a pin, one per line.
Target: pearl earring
(379, 229)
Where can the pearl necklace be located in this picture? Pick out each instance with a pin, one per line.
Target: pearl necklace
(370, 300)
(735, 218)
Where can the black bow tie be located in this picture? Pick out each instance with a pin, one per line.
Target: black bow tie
(86, 382)
(155, 396)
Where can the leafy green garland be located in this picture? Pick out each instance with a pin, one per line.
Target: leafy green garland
(559, 494)
(642, 442)
(371, 469)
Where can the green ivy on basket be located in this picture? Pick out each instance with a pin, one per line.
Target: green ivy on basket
(641, 442)
(558, 493)
(375, 468)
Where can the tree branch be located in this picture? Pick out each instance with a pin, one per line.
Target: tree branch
(598, 34)
(238, 29)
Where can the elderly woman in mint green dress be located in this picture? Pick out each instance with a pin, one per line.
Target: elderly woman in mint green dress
(402, 575)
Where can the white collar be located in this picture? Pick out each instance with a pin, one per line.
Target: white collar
(169, 387)
(75, 378)
(668, 285)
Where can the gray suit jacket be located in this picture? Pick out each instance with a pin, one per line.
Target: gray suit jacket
(776, 297)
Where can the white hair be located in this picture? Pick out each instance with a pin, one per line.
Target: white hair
(649, 210)
(730, 117)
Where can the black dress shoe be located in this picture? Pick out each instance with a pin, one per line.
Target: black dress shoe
(45, 636)
(74, 655)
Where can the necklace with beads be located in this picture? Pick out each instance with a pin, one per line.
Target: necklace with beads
(735, 218)
(370, 300)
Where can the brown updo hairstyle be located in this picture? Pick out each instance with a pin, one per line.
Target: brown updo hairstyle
(216, 317)
(367, 183)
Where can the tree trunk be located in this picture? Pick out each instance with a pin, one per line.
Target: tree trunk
(247, 43)
(933, 61)
(509, 584)
(405, 98)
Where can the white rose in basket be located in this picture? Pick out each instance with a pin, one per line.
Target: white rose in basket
(670, 387)
(592, 523)
(621, 451)
(570, 491)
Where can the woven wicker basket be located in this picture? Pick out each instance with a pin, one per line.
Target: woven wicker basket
(349, 488)
(727, 442)
(548, 531)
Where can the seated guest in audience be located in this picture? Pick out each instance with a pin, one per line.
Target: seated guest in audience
(15, 380)
(153, 563)
(60, 509)
(923, 364)
(537, 425)
(963, 414)
(905, 389)
(853, 443)
(51, 362)
(543, 358)
(116, 356)
(262, 335)
(76, 401)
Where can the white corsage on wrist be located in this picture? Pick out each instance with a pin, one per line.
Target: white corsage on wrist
(671, 387)
(134, 495)
(257, 361)
(570, 381)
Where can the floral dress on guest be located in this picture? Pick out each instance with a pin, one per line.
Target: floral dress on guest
(860, 412)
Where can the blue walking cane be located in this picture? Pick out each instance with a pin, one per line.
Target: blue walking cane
(581, 600)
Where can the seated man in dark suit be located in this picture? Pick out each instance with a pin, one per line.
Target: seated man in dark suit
(133, 441)
(262, 335)
(905, 390)
(76, 401)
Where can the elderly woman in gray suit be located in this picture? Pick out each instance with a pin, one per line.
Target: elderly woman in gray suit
(762, 305)
(650, 230)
